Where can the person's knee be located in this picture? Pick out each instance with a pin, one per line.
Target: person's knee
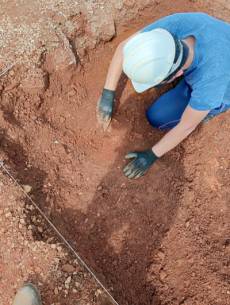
(154, 116)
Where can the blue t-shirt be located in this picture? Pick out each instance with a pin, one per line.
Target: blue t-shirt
(209, 74)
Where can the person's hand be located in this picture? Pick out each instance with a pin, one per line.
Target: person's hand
(141, 163)
(105, 107)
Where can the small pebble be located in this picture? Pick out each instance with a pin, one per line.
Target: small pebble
(68, 280)
(56, 290)
(161, 255)
(98, 292)
(68, 268)
(22, 221)
(27, 188)
(40, 229)
(77, 284)
(8, 215)
(59, 249)
(163, 275)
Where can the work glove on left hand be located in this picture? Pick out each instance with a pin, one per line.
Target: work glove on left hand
(141, 163)
(105, 107)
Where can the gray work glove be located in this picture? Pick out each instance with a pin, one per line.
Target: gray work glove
(140, 165)
(105, 107)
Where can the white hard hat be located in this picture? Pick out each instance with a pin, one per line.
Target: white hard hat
(149, 58)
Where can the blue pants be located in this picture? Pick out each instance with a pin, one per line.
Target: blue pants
(167, 110)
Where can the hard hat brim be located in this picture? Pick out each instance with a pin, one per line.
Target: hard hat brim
(142, 87)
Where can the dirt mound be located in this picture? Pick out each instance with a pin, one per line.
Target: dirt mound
(30, 29)
(162, 239)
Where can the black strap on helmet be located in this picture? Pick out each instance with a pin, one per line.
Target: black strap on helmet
(182, 51)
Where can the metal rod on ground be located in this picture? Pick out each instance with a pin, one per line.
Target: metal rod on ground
(4, 71)
(80, 260)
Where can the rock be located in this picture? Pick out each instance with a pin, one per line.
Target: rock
(161, 255)
(59, 248)
(62, 57)
(98, 292)
(8, 215)
(34, 247)
(33, 219)
(77, 284)
(35, 81)
(40, 229)
(102, 299)
(104, 28)
(100, 27)
(56, 291)
(27, 188)
(163, 275)
(12, 73)
(30, 207)
(22, 221)
(68, 268)
(68, 281)
(72, 93)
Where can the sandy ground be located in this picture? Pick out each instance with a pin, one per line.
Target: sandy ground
(163, 239)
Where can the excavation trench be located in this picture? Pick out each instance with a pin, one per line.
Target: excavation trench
(123, 229)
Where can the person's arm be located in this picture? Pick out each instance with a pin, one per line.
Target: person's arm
(106, 101)
(115, 69)
(143, 160)
(189, 121)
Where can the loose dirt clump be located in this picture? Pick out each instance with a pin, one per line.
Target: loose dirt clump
(163, 239)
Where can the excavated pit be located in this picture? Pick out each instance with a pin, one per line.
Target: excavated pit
(163, 239)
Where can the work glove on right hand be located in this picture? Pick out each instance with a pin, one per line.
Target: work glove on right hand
(141, 163)
(105, 107)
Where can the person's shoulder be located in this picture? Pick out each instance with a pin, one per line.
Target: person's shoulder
(186, 18)
(189, 15)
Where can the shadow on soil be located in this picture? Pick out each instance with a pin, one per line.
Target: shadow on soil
(17, 163)
(17, 159)
(120, 234)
